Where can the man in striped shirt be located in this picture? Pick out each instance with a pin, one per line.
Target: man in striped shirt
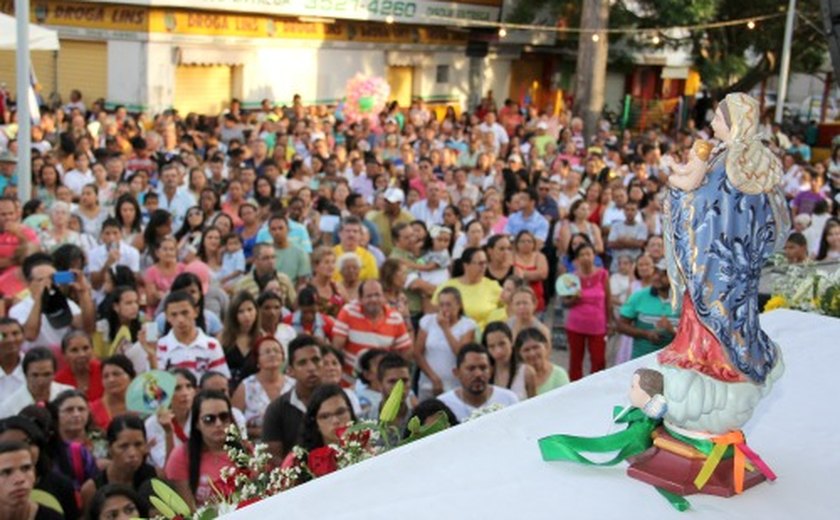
(186, 346)
(369, 323)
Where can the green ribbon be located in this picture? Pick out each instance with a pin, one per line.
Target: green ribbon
(679, 503)
(633, 440)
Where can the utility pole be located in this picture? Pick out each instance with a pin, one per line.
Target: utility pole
(591, 70)
(784, 67)
(24, 135)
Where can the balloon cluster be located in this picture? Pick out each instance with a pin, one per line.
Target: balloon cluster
(365, 97)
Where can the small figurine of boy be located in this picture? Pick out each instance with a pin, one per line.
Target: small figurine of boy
(646, 393)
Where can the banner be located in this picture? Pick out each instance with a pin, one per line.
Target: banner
(426, 12)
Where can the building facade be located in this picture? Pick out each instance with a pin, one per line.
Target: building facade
(150, 55)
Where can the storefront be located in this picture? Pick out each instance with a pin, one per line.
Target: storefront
(153, 55)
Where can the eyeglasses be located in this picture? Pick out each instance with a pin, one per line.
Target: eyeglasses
(338, 414)
(210, 418)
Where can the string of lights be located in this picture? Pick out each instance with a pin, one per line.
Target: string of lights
(750, 23)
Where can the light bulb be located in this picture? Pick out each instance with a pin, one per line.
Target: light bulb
(655, 39)
(596, 37)
(502, 32)
(389, 19)
(751, 25)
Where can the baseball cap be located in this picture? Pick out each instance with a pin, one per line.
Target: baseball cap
(7, 157)
(542, 125)
(394, 195)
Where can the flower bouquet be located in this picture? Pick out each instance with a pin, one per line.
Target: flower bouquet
(252, 477)
(803, 287)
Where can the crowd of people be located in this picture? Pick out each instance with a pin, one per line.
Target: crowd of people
(289, 267)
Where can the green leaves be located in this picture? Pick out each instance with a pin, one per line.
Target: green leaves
(392, 405)
(416, 430)
(168, 502)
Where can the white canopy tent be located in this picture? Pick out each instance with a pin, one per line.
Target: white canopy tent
(18, 34)
(40, 39)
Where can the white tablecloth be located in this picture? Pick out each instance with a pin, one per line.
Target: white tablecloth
(491, 468)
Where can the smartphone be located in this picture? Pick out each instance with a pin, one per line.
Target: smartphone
(151, 330)
(64, 277)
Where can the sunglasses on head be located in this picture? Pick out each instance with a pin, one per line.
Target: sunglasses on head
(210, 418)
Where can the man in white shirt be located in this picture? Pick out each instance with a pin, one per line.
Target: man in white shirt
(80, 176)
(475, 393)
(430, 210)
(11, 375)
(500, 136)
(46, 314)
(112, 252)
(39, 367)
(172, 199)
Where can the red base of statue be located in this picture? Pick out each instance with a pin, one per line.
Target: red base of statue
(675, 467)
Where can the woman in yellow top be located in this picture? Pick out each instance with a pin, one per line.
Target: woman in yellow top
(481, 295)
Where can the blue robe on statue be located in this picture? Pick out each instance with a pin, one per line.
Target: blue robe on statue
(718, 238)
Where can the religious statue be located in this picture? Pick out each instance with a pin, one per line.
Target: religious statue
(724, 215)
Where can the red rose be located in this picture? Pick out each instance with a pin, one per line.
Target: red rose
(360, 436)
(226, 486)
(339, 432)
(322, 461)
(246, 503)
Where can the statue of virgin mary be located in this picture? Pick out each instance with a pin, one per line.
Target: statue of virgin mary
(723, 218)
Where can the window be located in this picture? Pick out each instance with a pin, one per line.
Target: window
(442, 74)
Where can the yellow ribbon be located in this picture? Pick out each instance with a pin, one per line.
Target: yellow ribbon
(722, 442)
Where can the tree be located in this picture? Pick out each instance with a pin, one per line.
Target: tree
(729, 59)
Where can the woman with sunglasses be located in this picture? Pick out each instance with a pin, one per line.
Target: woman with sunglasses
(193, 466)
(127, 450)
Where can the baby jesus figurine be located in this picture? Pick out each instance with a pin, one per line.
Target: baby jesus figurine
(688, 176)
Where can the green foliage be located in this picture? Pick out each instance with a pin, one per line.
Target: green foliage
(168, 502)
(830, 301)
(392, 406)
(416, 430)
(729, 58)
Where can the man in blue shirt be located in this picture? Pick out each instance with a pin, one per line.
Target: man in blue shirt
(527, 218)
(547, 205)
(298, 235)
(8, 165)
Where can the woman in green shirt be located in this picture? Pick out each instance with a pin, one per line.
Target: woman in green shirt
(533, 349)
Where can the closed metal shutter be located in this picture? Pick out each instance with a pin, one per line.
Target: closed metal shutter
(203, 89)
(42, 61)
(83, 65)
